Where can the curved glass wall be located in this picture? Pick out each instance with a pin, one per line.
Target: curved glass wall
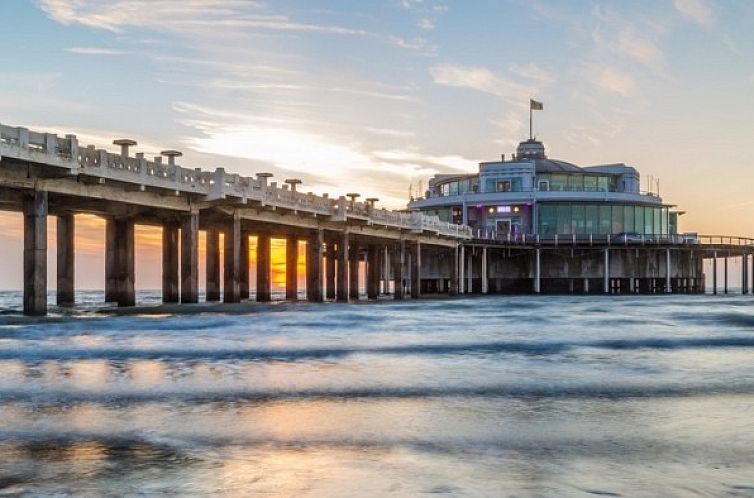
(601, 218)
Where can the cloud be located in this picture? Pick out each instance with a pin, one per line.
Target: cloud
(696, 11)
(614, 80)
(95, 51)
(480, 79)
(534, 73)
(425, 23)
(639, 48)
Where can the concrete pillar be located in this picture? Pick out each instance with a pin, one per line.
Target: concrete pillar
(291, 268)
(330, 270)
(714, 273)
(66, 260)
(263, 268)
(386, 271)
(632, 285)
(35, 253)
(469, 272)
(232, 261)
(213, 265)
(119, 261)
(745, 274)
(243, 267)
(314, 255)
(416, 270)
(190, 258)
(353, 273)
(606, 273)
(399, 257)
(461, 270)
(668, 284)
(343, 252)
(537, 272)
(170, 262)
(453, 290)
(373, 272)
(485, 281)
(586, 286)
(725, 274)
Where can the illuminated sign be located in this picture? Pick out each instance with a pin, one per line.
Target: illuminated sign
(503, 209)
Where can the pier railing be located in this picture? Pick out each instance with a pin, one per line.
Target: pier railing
(687, 239)
(47, 148)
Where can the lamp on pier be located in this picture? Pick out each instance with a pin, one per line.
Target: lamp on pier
(353, 196)
(262, 177)
(293, 182)
(171, 155)
(124, 143)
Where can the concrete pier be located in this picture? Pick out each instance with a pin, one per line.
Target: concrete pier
(170, 270)
(314, 257)
(416, 251)
(291, 268)
(263, 268)
(243, 267)
(354, 258)
(343, 253)
(232, 261)
(453, 290)
(373, 272)
(190, 258)
(119, 262)
(399, 258)
(331, 262)
(65, 259)
(213, 265)
(35, 208)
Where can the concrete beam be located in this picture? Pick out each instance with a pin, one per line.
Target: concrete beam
(314, 255)
(263, 268)
(35, 253)
(343, 253)
(232, 261)
(170, 277)
(190, 258)
(291, 267)
(66, 260)
(213, 265)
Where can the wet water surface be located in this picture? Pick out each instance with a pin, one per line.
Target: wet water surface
(497, 396)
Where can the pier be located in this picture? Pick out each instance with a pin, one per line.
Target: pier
(406, 254)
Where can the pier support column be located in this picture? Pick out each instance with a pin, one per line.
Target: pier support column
(35, 253)
(263, 268)
(714, 273)
(399, 257)
(119, 261)
(745, 274)
(190, 258)
(232, 261)
(291, 267)
(606, 273)
(213, 265)
(485, 282)
(373, 272)
(537, 271)
(725, 275)
(461, 270)
(469, 272)
(343, 252)
(668, 284)
(387, 271)
(453, 288)
(66, 260)
(330, 270)
(416, 270)
(170, 262)
(314, 255)
(353, 273)
(243, 267)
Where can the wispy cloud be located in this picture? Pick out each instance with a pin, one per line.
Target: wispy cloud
(696, 10)
(480, 79)
(425, 23)
(614, 80)
(95, 51)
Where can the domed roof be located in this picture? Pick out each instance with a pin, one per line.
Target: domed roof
(555, 166)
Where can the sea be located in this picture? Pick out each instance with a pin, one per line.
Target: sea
(500, 396)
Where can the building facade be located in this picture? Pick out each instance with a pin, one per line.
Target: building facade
(532, 194)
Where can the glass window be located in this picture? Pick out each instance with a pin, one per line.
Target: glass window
(558, 182)
(628, 219)
(664, 221)
(548, 218)
(648, 221)
(544, 186)
(605, 219)
(592, 219)
(590, 183)
(503, 186)
(617, 219)
(564, 219)
(453, 186)
(576, 183)
(639, 219)
(578, 213)
(658, 223)
(602, 183)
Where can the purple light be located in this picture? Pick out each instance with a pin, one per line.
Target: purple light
(479, 206)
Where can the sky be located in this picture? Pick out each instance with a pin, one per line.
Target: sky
(377, 96)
